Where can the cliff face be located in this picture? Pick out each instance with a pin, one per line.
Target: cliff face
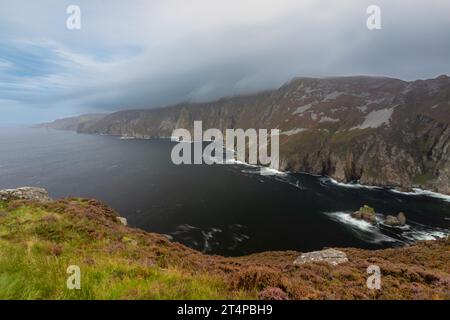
(380, 131)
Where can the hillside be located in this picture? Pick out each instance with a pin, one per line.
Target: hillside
(40, 238)
(380, 131)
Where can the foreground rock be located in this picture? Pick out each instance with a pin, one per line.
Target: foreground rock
(398, 221)
(365, 213)
(25, 193)
(332, 256)
(123, 221)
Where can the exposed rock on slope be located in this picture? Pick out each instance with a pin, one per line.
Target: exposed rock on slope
(331, 256)
(380, 131)
(25, 193)
(398, 221)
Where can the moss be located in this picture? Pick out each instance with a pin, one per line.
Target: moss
(306, 141)
(367, 210)
(422, 179)
(348, 135)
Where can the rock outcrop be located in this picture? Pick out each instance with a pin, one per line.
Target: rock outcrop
(332, 256)
(398, 221)
(122, 220)
(378, 131)
(25, 193)
(365, 213)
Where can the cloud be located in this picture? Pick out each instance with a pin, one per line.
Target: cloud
(4, 64)
(140, 53)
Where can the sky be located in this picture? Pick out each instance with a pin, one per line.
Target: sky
(153, 53)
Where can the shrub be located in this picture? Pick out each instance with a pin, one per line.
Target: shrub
(256, 278)
(272, 293)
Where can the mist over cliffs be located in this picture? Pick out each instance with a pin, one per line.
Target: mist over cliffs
(379, 131)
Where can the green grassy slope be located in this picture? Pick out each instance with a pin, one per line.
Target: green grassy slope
(39, 241)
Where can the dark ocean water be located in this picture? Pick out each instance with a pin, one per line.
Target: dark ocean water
(226, 209)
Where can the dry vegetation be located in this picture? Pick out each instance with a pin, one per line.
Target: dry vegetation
(38, 241)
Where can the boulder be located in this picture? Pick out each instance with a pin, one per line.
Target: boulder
(391, 221)
(25, 193)
(400, 220)
(332, 256)
(401, 217)
(365, 213)
(122, 220)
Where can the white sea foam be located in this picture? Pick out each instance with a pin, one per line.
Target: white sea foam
(418, 235)
(420, 192)
(362, 229)
(269, 171)
(409, 233)
(265, 171)
(347, 185)
(346, 218)
(240, 237)
(208, 236)
(184, 228)
(208, 239)
(242, 163)
(296, 184)
(415, 192)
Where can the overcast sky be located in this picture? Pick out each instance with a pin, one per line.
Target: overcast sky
(149, 53)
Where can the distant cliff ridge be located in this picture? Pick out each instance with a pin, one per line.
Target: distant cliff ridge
(72, 123)
(380, 131)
